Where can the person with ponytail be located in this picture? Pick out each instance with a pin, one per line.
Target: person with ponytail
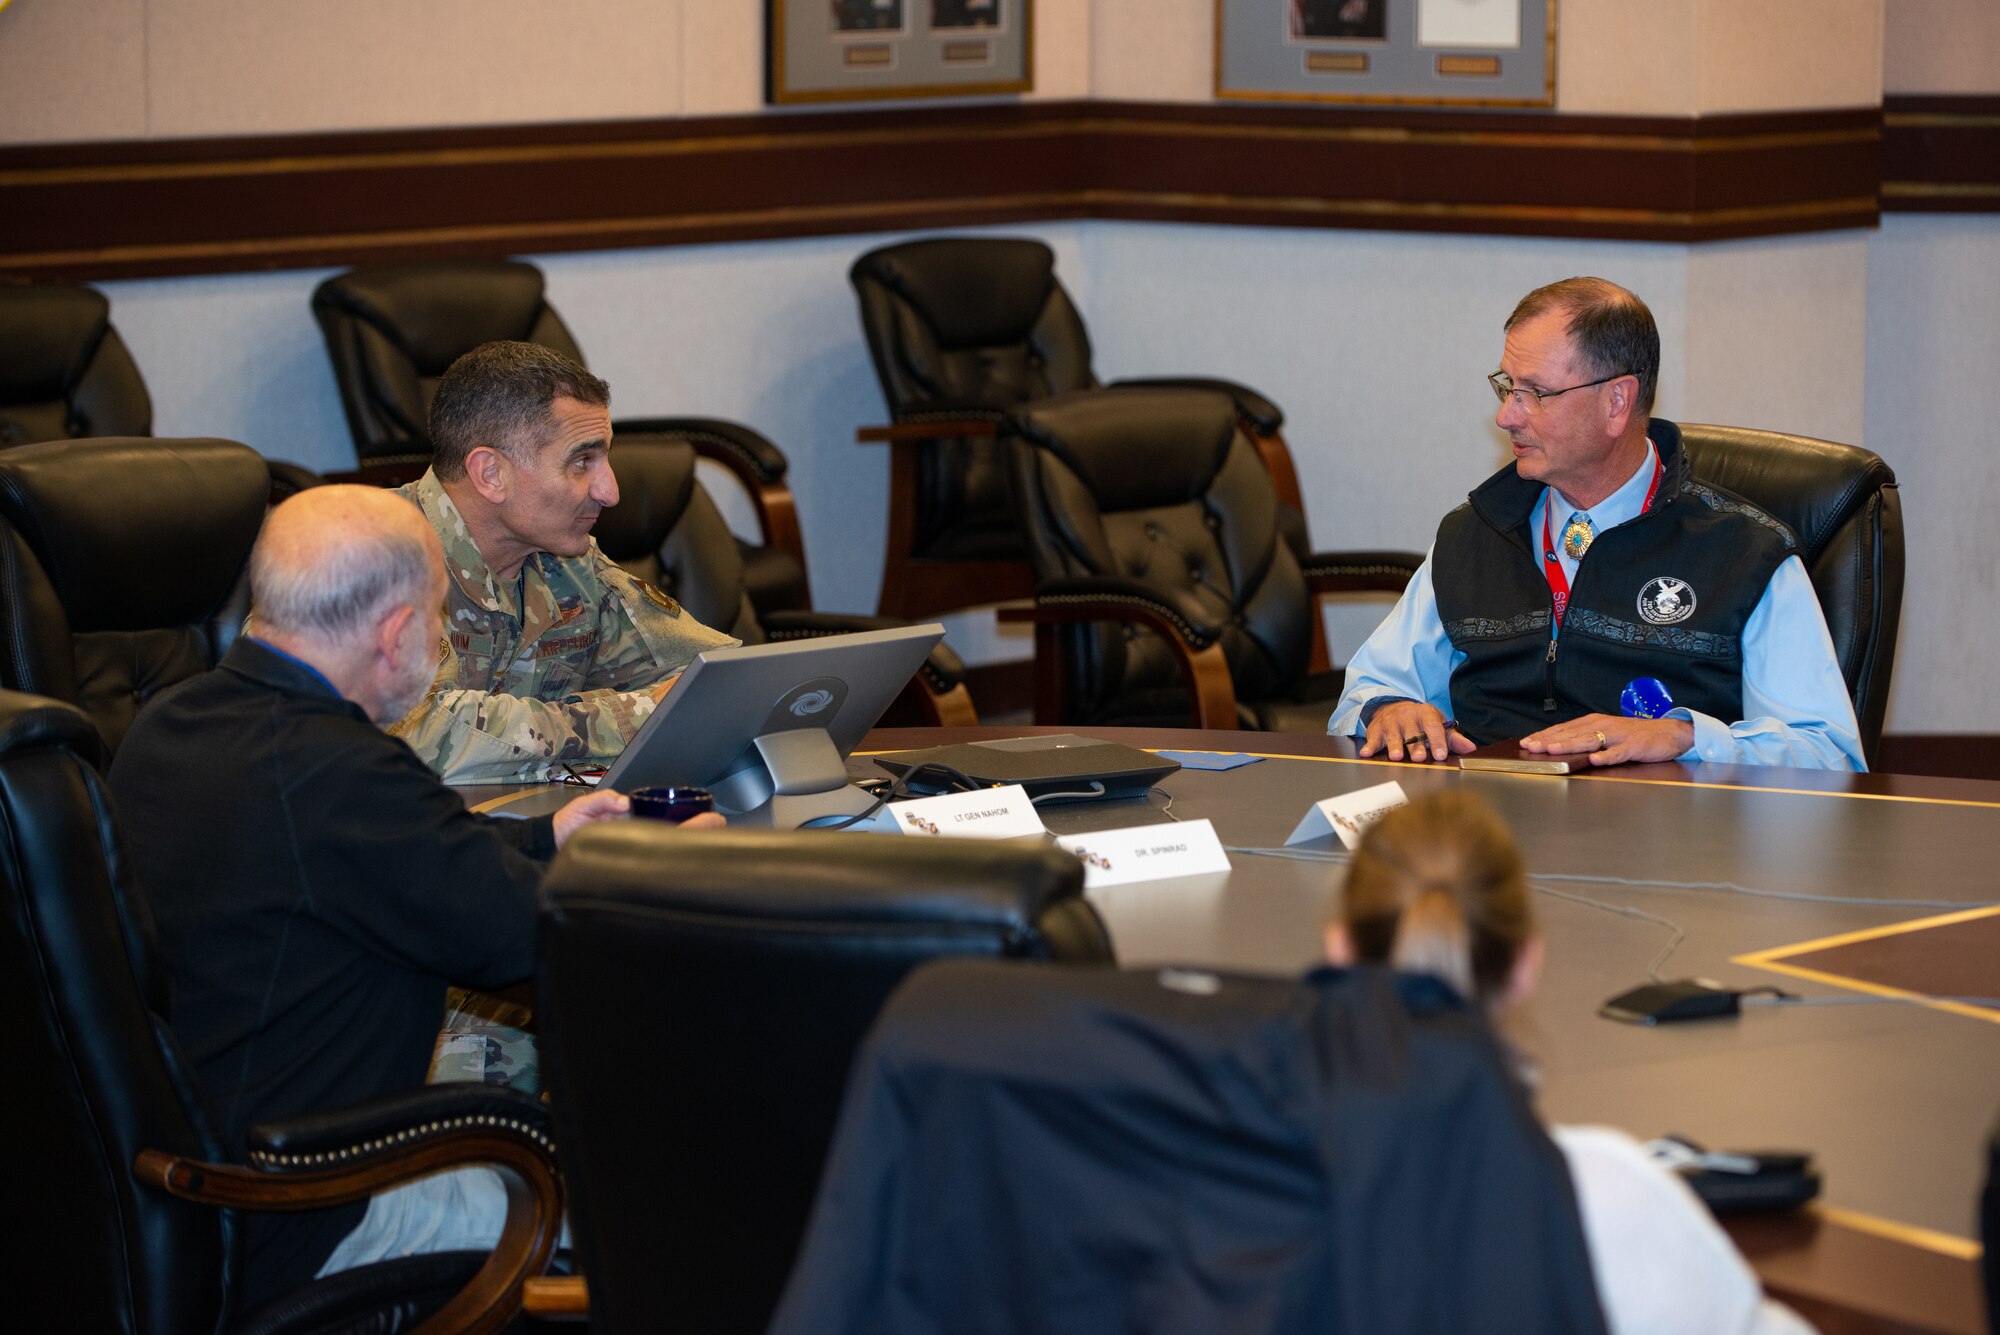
(1438, 887)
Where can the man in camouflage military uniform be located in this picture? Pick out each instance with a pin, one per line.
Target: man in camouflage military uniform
(552, 653)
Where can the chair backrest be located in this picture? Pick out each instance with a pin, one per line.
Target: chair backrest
(99, 1075)
(393, 329)
(122, 566)
(64, 372)
(1843, 503)
(1172, 1151)
(969, 322)
(701, 999)
(1160, 487)
(667, 530)
(960, 325)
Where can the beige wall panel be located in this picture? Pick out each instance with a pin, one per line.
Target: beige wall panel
(72, 69)
(266, 66)
(1942, 46)
(1062, 49)
(1776, 334)
(1779, 55)
(1153, 50)
(1934, 283)
(722, 58)
(1616, 58)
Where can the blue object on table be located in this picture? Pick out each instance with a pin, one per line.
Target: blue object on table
(1210, 759)
(1645, 698)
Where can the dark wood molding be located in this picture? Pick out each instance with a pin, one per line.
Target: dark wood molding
(1941, 154)
(112, 210)
(1947, 755)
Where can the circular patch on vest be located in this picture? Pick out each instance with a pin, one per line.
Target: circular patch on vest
(1666, 600)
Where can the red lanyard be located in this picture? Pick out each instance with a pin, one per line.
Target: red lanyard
(1552, 567)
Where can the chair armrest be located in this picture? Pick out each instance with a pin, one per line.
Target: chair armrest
(758, 466)
(1262, 414)
(455, 1127)
(556, 1297)
(942, 669)
(1361, 572)
(943, 421)
(1112, 599)
(1194, 642)
(359, 1131)
(745, 452)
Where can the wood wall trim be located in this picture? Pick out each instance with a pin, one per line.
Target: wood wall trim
(1941, 154)
(94, 211)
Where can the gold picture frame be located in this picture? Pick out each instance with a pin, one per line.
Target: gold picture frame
(893, 50)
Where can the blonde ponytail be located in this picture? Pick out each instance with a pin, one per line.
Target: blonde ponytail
(1432, 937)
(1438, 887)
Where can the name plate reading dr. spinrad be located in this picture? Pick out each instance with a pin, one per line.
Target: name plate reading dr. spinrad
(1147, 853)
(1350, 814)
(984, 813)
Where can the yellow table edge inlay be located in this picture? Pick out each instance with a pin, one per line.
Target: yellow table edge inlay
(1772, 961)
(1929, 1239)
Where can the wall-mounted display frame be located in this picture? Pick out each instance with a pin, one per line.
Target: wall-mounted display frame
(882, 50)
(1482, 53)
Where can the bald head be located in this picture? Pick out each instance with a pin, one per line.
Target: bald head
(332, 560)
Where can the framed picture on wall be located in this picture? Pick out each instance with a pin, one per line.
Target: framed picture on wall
(881, 50)
(1493, 53)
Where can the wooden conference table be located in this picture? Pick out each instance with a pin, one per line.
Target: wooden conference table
(1895, 1099)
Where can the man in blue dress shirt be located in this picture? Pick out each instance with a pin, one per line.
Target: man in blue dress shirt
(1507, 631)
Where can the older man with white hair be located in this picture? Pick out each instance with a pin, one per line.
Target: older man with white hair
(316, 887)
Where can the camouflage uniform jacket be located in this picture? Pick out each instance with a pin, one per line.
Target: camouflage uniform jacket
(553, 667)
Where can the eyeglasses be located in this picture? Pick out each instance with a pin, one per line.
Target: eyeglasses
(1531, 399)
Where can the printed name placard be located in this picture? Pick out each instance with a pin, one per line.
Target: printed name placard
(986, 813)
(1147, 853)
(1350, 814)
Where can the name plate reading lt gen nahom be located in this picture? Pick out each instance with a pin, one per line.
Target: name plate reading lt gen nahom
(984, 813)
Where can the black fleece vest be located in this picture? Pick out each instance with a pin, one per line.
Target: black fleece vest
(1665, 595)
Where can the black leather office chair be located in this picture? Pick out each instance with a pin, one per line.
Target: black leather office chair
(126, 1207)
(393, 329)
(1166, 593)
(666, 529)
(64, 372)
(1843, 503)
(963, 330)
(1068, 1150)
(122, 566)
(701, 997)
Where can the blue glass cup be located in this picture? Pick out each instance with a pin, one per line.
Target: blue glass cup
(672, 805)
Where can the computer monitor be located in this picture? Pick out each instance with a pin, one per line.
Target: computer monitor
(767, 728)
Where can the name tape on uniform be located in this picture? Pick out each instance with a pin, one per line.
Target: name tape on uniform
(1350, 814)
(985, 813)
(1147, 852)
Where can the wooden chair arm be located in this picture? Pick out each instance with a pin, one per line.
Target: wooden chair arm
(491, 1298)
(951, 708)
(776, 508)
(1211, 691)
(556, 1297)
(944, 428)
(758, 466)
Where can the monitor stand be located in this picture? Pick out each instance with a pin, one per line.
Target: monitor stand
(802, 777)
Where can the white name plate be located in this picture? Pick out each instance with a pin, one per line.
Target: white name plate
(986, 813)
(1350, 814)
(1147, 853)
